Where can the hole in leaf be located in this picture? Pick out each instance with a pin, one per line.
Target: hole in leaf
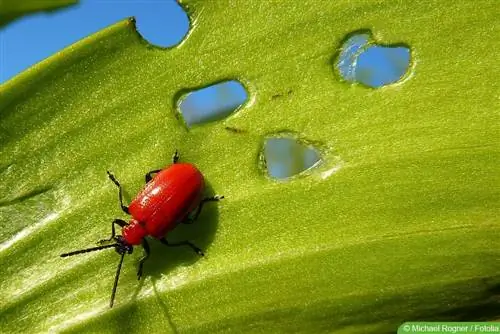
(212, 103)
(285, 157)
(362, 60)
(161, 23)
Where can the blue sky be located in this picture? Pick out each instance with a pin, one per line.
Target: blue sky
(35, 37)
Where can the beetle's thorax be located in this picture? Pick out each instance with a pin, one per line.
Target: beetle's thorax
(134, 232)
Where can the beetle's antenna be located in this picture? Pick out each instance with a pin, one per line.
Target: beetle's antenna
(116, 281)
(81, 251)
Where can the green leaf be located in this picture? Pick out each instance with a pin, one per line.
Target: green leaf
(13, 9)
(399, 222)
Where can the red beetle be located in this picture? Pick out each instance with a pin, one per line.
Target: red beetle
(168, 199)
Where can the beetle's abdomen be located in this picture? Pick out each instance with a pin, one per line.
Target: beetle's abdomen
(168, 198)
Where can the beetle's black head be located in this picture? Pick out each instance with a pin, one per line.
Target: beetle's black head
(122, 247)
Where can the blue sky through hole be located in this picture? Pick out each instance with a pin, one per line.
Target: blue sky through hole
(372, 65)
(213, 102)
(286, 157)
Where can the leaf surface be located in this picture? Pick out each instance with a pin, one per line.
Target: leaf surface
(399, 222)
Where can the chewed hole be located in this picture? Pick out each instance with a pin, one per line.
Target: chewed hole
(362, 60)
(212, 103)
(161, 23)
(286, 157)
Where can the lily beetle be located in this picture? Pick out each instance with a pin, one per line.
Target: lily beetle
(172, 195)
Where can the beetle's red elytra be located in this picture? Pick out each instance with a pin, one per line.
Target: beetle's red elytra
(173, 196)
(165, 201)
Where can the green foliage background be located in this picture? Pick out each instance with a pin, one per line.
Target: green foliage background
(399, 222)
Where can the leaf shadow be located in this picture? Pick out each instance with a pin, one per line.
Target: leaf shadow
(201, 233)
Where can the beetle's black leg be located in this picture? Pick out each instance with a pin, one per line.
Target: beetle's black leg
(175, 157)
(149, 175)
(118, 222)
(120, 191)
(145, 245)
(192, 219)
(182, 243)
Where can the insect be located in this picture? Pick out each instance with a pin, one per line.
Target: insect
(173, 196)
